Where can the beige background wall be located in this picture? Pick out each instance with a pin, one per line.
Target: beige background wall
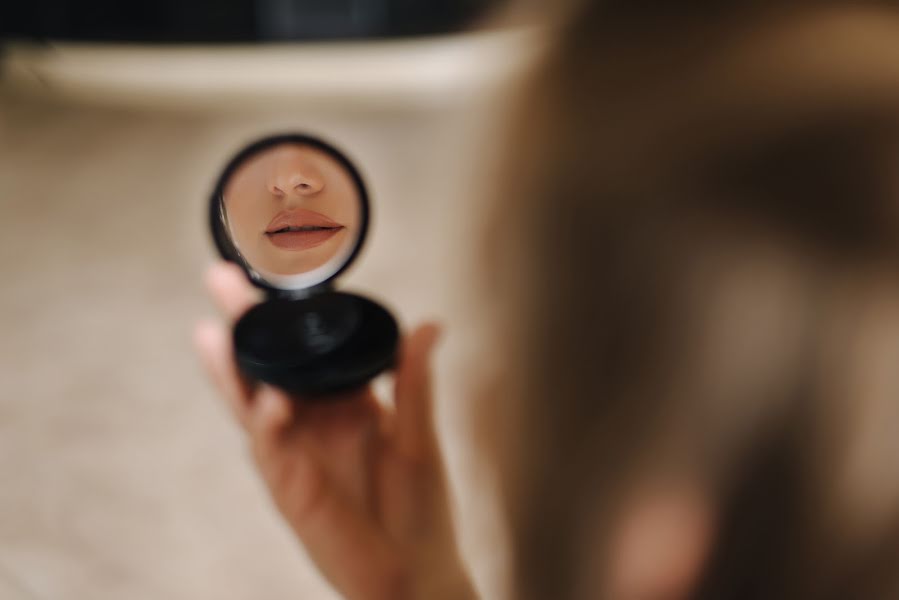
(120, 474)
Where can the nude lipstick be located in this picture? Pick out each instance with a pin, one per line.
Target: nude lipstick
(301, 229)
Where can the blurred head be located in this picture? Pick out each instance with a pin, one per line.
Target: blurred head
(291, 208)
(697, 304)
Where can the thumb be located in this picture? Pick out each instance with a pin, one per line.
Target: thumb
(412, 392)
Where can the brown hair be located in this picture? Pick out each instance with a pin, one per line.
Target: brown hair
(700, 231)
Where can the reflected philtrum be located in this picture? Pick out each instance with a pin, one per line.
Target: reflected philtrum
(301, 229)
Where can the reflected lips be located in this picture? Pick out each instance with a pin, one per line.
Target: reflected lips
(301, 229)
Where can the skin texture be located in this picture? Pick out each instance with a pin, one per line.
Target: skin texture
(283, 178)
(361, 485)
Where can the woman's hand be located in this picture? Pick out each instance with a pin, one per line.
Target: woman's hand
(362, 486)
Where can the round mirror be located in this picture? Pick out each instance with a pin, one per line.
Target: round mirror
(292, 210)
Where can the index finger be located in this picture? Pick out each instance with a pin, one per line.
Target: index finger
(231, 290)
(412, 392)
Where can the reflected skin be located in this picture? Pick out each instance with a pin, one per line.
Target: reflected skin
(291, 208)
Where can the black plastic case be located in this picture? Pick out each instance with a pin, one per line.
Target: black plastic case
(316, 341)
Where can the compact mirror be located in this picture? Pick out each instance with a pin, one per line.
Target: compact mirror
(293, 212)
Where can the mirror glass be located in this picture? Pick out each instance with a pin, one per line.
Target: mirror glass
(291, 210)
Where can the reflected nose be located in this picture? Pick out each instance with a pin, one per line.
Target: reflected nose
(296, 181)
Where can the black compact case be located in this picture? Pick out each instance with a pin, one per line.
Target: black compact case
(313, 341)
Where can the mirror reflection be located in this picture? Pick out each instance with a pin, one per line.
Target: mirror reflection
(293, 212)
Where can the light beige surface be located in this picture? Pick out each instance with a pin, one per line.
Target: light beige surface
(410, 73)
(122, 476)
